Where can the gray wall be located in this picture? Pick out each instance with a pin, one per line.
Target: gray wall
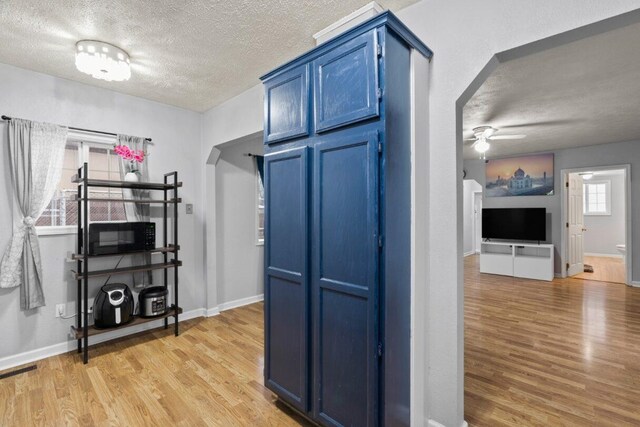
(176, 134)
(604, 232)
(597, 155)
(240, 261)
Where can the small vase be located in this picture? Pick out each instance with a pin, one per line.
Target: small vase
(127, 193)
(132, 177)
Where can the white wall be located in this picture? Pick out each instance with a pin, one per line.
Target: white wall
(604, 232)
(240, 118)
(469, 188)
(177, 137)
(240, 262)
(462, 49)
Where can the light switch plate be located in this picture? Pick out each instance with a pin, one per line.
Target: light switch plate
(189, 208)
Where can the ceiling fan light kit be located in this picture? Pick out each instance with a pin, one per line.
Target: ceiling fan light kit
(483, 134)
(102, 61)
(482, 146)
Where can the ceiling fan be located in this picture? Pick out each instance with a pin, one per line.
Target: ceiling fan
(483, 134)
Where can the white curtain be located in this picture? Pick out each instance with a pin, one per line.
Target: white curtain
(136, 211)
(36, 153)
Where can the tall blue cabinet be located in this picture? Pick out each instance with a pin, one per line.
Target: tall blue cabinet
(337, 134)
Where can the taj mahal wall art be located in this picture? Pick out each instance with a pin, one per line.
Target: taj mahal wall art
(520, 176)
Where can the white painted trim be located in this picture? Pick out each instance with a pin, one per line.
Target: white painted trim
(434, 423)
(466, 254)
(95, 138)
(564, 173)
(67, 346)
(210, 312)
(240, 302)
(419, 342)
(603, 255)
(56, 230)
(634, 283)
(369, 7)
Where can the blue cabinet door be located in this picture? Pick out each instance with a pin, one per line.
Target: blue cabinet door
(286, 276)
(286, 105)
(345, 279)
(346, 83)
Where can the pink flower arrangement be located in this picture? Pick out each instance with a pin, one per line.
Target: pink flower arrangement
(128, 154)
(132, 156)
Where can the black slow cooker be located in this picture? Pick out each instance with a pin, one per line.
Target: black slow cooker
(153, 301)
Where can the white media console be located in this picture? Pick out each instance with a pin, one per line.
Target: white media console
(528, 260)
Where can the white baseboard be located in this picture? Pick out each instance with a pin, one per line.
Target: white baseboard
(240, 302)
(635, 283)
(64, 347)
(466, 254)
(603, 255)
(212, 311)
(434, 423)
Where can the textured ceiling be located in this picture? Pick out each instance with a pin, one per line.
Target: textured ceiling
(193, 54)
(582, 93)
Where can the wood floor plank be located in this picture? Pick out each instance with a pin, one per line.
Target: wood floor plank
(211, 375)
(561, 353)
(550, 353)
(605, 269)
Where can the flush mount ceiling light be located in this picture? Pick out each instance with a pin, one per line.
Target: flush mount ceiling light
(102, 61)
(587, 175)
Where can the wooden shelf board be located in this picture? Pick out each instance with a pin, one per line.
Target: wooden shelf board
(126, 184)
(137, 320)
(127, 270)
(170, 248)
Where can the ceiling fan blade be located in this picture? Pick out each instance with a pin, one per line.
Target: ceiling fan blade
(541, 123)
(488, 132)
(508, 137)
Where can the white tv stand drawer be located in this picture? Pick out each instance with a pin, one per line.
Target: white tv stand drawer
(526, 260)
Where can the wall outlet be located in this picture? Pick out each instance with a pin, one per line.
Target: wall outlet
(189, 208)
(61, 310)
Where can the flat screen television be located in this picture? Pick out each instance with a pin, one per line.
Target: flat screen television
(515, 224)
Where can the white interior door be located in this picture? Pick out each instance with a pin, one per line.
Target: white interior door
(575, 224)
(477, 217)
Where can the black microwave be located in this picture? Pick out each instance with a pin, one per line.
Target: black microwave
(118, 237)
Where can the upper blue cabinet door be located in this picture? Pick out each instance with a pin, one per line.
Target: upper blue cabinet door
(286, 105)
(346, 83)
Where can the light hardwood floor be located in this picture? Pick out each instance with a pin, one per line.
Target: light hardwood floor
(565, 352)
(210, 375)
(536, 354)
(605, 269)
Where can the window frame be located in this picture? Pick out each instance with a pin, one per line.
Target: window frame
(84, 140)
(607, 194)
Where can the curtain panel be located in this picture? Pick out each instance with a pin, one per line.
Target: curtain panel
(36, 154)
(136, 212)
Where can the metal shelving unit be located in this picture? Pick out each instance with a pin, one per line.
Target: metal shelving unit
(82, 331)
